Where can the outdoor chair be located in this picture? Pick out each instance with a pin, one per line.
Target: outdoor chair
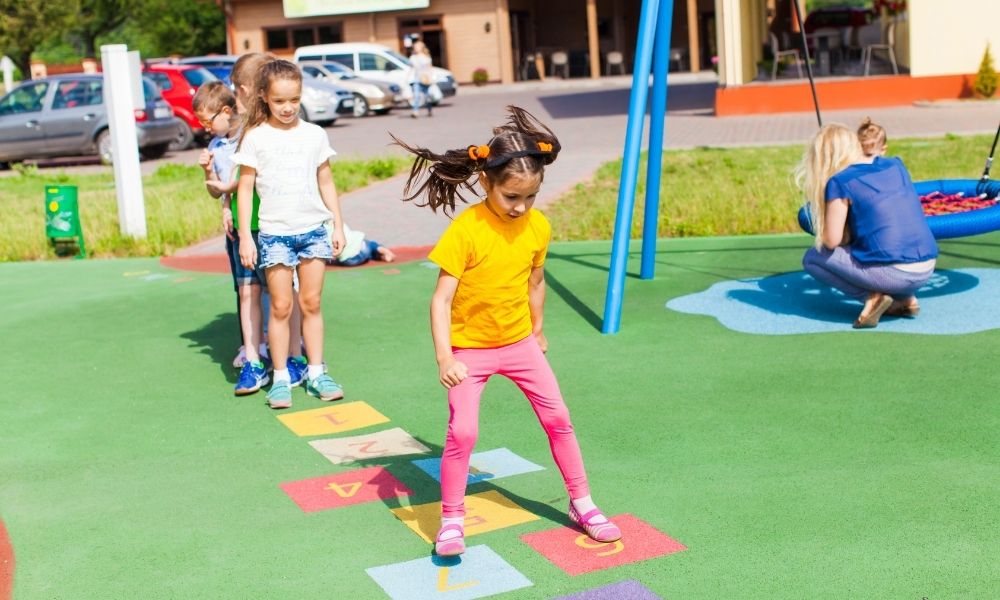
(614, 60)
(886, 46)
(676, 58)
(560, 62)
(778, 54)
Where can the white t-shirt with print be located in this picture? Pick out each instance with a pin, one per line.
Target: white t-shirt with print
(286, 161)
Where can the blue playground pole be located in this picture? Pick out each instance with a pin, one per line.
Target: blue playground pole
(630, 168)
(657, 111)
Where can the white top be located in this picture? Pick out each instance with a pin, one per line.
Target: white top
(286, 161)
(420, 68)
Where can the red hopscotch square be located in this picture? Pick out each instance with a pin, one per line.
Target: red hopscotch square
(572, 551)
(344, 489)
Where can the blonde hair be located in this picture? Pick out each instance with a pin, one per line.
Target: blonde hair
(831, 149)
(871, 136)
(257, 110)
(246, 69)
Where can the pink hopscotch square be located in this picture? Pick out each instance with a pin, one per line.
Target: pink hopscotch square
(572, 551)
(344, 489)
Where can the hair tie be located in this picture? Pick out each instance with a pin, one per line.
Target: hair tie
(478, 152)
(545, 146)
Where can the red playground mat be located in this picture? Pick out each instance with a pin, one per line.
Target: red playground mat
(938, 203)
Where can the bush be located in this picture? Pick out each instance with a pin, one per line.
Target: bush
(480, 76)
(986, 79)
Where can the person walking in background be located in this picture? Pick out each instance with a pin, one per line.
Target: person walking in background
(487, 308)
(421, 77)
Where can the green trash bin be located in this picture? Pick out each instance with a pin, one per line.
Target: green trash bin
(62, 217)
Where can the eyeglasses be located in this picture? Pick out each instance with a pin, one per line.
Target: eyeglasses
(208, 122)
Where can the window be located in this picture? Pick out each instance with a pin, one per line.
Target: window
(198, 77)
(161, 80)
(27, 98)
(290, 38)
(344, 59)
(71, 94)
(374, 62)
(313, 71)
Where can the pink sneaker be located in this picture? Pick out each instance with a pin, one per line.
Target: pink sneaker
(451, 546)
(600, 532)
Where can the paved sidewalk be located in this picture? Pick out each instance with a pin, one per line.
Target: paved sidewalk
(590, 119)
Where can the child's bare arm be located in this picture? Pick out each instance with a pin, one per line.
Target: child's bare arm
(244, 209)
(451, 372)
(218, 188)
(536, 304)
(328, 192)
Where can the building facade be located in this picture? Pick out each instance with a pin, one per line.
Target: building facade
(512, 39)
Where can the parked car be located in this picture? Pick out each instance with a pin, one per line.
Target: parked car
(65, 115)
(370, 95)
(374, 61)
(178, 84)
(322, 102)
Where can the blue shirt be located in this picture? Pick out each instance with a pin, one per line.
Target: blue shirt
(222, 149)
(886, 220)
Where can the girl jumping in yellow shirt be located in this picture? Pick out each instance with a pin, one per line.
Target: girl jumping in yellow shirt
(486, 312)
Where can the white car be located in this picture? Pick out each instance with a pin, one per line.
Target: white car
(374, 61)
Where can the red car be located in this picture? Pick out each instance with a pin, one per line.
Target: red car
(178, 84)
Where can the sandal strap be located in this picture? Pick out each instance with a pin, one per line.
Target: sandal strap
(585, 518)
(451, 527)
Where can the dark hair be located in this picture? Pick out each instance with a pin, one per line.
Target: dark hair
(212, 97)
(257, 110)
(521, 145)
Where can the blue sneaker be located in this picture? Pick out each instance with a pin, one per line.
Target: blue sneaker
(298, 368)
(324, 388)
(253, 376)
(280, 395)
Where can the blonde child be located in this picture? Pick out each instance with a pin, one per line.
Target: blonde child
(287, 161)
(486, 311)
(892, 252)
(873, 139)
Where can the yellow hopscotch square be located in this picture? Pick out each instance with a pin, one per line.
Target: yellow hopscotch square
(333, 419)
(483, 512)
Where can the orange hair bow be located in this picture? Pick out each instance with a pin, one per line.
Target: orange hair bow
(545, 146)
(478, 152)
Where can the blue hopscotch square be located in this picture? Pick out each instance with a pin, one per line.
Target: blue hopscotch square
(477, 573)
(492, 464)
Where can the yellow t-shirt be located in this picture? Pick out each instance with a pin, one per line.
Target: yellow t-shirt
(492, 260)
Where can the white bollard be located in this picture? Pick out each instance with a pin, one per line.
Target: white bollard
(119, 101)
(8, 73)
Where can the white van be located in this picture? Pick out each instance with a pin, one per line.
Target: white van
(373, 61)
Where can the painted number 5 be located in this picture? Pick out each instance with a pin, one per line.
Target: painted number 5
(613, 548)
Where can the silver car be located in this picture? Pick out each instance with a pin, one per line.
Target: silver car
(64, 115)
(370, 96)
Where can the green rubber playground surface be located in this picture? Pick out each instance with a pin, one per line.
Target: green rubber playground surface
(843, 464)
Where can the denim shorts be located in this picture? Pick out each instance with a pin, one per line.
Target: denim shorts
(288, 250)
(243, 276)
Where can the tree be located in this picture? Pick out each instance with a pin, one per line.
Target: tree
(986, 79)
(186, 27)
(25, 24)
(99, 17)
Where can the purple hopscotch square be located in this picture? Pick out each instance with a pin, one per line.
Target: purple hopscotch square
(623, 590)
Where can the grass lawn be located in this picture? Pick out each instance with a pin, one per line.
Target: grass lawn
(179, 212)
(738, 191)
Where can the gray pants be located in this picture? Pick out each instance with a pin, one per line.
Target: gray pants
(838, 268)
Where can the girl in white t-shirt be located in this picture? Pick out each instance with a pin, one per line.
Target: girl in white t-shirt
(287, 160)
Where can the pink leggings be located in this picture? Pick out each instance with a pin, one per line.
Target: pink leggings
(524, 364)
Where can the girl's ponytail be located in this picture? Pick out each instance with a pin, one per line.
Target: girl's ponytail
(446, 175)
(521, 145)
